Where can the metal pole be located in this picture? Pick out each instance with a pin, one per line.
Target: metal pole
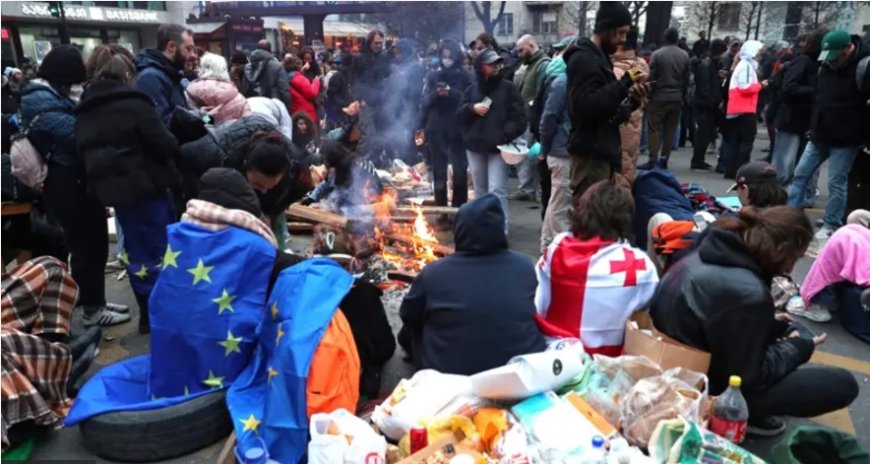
(64, 30)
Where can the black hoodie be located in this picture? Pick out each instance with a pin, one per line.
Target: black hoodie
(732, 319)
(129, 155)
(595, 102)
(474, 310)
(841, 115)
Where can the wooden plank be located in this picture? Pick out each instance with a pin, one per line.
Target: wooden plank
(402, 276)
(227, 455)
(441, 250)
(446, 210)
(315, 216)
(15, 209)
(300, 227)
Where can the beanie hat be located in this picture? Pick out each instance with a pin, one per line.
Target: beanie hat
(63, 65)
(239, 58)
(611, 15)
(228, 188)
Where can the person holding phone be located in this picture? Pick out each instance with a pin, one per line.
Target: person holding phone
(492, 113)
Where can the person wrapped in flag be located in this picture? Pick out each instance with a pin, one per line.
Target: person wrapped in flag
(591, 279)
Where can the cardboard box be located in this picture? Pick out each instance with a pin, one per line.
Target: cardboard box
(643, 339)
(449, 447)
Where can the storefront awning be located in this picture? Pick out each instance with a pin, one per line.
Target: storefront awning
(205, 28)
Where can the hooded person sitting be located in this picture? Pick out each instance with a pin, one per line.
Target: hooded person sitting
(474, 310)
(214, 93)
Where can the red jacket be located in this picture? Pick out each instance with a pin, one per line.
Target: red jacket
(303, 95)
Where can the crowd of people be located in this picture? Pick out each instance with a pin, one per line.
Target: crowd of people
(142, 135)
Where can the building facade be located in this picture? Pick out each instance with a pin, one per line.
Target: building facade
(548, 21)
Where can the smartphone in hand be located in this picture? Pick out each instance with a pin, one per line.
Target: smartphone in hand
(487, 102)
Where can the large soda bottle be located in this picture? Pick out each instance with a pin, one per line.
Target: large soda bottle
(730, 413)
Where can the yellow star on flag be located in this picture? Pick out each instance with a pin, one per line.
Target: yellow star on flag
(142, 273)
(200, 272)
(272, 373)
(280, 334)
(169, 257)
(251, 423)
(225, 302)
(125, 258)
(231, 344)
(213, 381)
(274, 311)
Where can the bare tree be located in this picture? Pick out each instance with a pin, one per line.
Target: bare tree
(637, 10)
(758, 19)
(483, 12)
(582, 10)
(747, 14)
(826, 14)
(706, 14)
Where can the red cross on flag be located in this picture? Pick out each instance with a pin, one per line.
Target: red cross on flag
(588, 288)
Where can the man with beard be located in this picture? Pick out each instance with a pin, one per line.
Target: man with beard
(371, 69)
(597, 102)
(160, 69)
(528, 81)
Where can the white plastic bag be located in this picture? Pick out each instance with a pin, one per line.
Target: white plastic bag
(427, 394)
(341, 437)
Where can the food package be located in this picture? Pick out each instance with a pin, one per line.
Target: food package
(557, 431)
(427, 394)
(638, 367)
(529, 374)
(341, 437)
(606, 428)
(450, 449)
(654, 399)
(441, 427)
(491, 423)
(679, 440)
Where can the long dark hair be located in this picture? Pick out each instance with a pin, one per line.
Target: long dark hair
(313, 68)
(118, 68)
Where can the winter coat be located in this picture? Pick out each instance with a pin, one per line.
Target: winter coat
(369, 73)
(629, 131)
(841, 116)
(273, 109)
(337, 96)
(161, 80)
(708, 85)
(657, 191)
(743, 86)
(220, 99)
(266, 77)
(505, 121)
(403, 100)
(129, 155)
(732, 319)
(475, 309)
(228, 146)
(530, 81)
(303, 94)
(555, 127)
(595, 102)
(53, 135)
(669, 72)
(798, 93)
(439, 113)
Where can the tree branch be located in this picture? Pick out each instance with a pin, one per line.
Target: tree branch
(500, 14)
(477, 12)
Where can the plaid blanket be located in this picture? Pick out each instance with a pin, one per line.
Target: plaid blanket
(37, 299)
(214, 217)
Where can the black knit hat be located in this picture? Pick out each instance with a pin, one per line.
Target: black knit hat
(228, 188)
(63, 65)
(611, 15)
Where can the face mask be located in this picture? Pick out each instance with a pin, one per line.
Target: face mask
(447, 62)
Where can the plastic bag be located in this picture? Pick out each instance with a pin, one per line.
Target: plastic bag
(427, 394)
(638, 367)
(440, 427)
(341, 437)
(679, 441)
(658, 398)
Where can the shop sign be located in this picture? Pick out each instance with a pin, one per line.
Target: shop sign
(136, 16)
(93, 13)
(247, 28)
(41, 10)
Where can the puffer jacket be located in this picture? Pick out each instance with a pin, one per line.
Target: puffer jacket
(161, 80)
(266, 77)
(505, 121)
(220, 99)
(303, 94)
(129, 155)
(53, 135)
(228, 146)
(629, 131)
(732, 319)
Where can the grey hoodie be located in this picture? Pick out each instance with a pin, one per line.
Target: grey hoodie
(265, 77)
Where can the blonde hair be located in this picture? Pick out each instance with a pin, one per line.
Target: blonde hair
(212, 66)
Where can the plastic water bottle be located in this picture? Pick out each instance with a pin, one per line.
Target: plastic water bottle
(730, 413)
(253, 451)
(598, 453)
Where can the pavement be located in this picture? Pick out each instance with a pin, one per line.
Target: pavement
(840, 350)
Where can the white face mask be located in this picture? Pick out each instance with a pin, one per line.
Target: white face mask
(447, 62)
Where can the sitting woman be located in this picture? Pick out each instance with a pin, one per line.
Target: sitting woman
(474, 310)
(591, 279)
(734, 318)
(842, 269)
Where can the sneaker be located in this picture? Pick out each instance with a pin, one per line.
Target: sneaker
(815, 313)
(820, 239)
(114, 266)
(702, 167)
(521, 196)
(118, 308)
(765, 427)
(105, 317)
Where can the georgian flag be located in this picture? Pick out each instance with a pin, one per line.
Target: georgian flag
(587, 289)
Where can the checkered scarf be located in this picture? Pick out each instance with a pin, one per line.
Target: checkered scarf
(37, 298)
(214, 217)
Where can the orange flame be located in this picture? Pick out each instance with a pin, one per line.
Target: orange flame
(412, 256)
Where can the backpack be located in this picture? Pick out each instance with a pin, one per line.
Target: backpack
(333, 378)
(861, 72)
(28, 165)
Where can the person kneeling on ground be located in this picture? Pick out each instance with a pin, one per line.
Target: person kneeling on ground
(352, 181)
(591, 279)
(474, 310)
(734, 319)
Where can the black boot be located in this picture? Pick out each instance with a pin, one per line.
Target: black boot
(144, 326)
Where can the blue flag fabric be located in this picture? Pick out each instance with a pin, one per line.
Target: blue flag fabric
(268, 399)
(144, 228)
(206, 306)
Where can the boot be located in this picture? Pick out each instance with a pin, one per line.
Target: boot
(144, 326)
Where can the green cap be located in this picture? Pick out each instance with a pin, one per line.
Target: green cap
(832, 43)
(564, 42)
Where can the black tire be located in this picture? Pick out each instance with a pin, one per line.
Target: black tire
(155, 435)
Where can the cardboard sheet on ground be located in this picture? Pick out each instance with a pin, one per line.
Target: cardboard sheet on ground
(530, 374)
